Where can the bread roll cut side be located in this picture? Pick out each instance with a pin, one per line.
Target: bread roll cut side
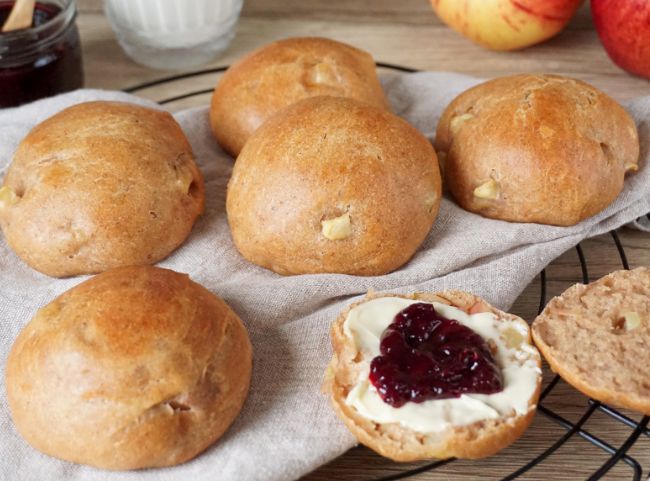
(400, 443)
(596, 338)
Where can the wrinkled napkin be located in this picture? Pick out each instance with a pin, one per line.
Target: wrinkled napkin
(286, 427)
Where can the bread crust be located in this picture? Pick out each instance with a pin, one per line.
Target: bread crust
(473, 441)
(327, 157)
(557, 149)
(603, 360)
(101, 185)
(137, 367)
(282, 73)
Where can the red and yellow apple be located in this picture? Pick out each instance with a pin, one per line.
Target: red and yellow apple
(506, 24)
(624, 29)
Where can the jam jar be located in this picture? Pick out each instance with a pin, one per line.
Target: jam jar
(42, 60)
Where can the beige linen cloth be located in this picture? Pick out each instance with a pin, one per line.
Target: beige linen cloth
(287, 428)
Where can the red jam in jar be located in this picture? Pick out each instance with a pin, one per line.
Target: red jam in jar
(42, 60)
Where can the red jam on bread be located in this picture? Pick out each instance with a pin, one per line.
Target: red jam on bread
(426, 356)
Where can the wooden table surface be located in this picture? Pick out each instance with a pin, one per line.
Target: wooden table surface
(407, 32)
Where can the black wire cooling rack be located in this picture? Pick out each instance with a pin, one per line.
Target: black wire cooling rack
(615, 454)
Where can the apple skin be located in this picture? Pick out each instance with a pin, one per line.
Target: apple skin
(506, 24)
(624, 30)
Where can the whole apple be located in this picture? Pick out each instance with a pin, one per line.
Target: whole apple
(624, 29)
(506, 24)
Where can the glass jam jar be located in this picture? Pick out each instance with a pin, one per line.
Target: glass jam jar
(43, 60)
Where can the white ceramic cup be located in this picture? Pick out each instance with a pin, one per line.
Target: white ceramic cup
(173, 34)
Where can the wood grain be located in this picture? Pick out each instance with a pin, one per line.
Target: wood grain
(405, 32)
(408, 33)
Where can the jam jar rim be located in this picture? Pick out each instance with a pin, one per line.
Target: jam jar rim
(23, 44)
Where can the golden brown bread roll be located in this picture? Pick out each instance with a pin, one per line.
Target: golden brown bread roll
(100, 185)
(281, 73)
(470, 426)
(137, 367)
(536, 148)
(331, 184)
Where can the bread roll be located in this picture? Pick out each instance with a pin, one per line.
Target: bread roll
(536, 148)
(470, 426)
(596, 336)
(332, 184)
(281, 73)
(100, 185)
(137, 367)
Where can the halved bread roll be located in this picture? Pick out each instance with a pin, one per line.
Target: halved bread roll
(469, 426)
(596, 336)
